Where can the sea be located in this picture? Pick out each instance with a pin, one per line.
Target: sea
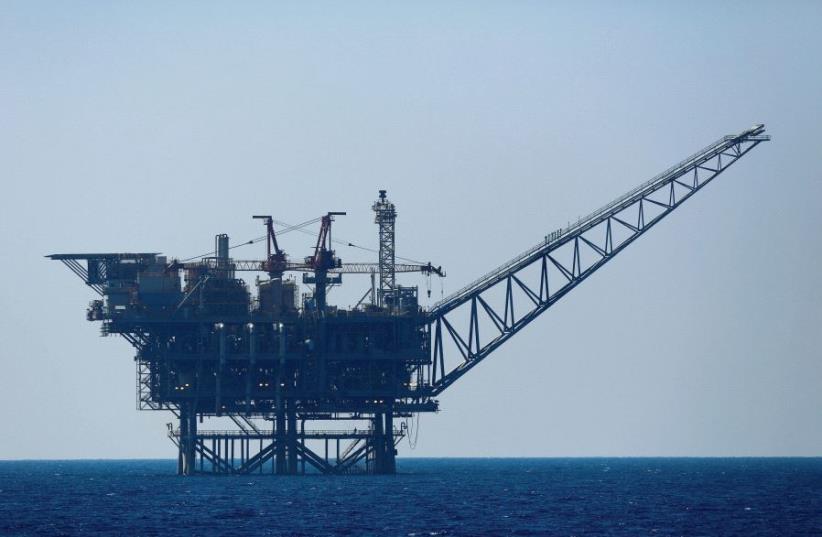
(428, 497)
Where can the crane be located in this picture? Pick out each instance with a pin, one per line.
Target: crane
(322, 263)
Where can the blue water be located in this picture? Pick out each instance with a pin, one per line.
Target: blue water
(446, 497)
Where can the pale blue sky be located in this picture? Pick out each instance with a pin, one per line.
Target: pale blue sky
(151, 127)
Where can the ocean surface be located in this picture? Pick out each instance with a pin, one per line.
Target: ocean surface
(429, 497)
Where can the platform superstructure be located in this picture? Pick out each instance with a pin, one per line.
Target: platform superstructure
(307, 385)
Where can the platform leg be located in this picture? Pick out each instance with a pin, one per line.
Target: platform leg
(378, 442)
(279, 440)
(388, 442)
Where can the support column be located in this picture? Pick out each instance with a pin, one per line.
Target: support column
(218, 392)
(378, 441)
(181, 443)
(390, 453)
(279, 439)
(320, 282)
(302, 446)
(192, 442)
(252, 363)
(187, 454)
(279, 425)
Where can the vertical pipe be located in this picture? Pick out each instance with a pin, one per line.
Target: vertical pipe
(217, 456)
(320, 283)
(322, 338)
(221, 254)
(390, 453)
(378, 441)
(302, 443)
(191, 442)
(221, 246)
(279, 426)
(218, 403)
(279, 437)
(252, 361)
(181, 442)
(373, 288)
(186, 457)
(292, 437)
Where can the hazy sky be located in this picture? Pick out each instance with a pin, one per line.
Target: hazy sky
(151, 127)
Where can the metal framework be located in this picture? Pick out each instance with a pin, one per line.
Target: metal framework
(503, 301)
(256, 265)
(248, 449)
(385, 216)
(274, 363)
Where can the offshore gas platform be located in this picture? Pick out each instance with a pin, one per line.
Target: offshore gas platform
(286, 368)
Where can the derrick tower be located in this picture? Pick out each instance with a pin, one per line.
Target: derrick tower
(291, 371)
(385, 216)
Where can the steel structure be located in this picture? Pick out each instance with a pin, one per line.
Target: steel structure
(207, 349)
(385, 216)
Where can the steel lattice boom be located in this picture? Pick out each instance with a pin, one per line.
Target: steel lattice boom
(508, 298)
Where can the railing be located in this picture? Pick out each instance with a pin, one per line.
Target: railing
(660, 177)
